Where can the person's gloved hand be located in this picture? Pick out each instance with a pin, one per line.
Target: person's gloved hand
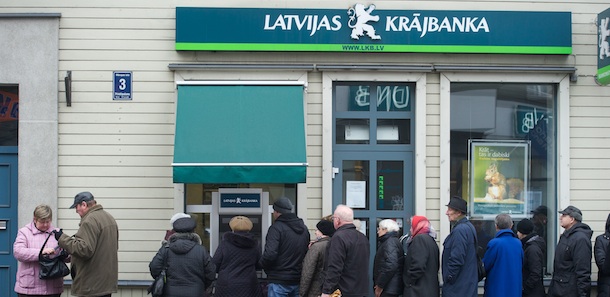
(58, 233)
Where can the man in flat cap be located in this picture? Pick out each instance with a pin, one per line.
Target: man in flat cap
(285, 247)
(94, 247)
(572, 265)
(459, 261)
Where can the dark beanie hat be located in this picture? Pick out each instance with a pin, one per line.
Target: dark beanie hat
(283, 205)
(525, 226)
(184, 225)
(326, 227)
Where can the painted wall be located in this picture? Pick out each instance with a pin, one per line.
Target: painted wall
(29, 56)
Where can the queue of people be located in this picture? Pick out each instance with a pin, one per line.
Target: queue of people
(334, 264)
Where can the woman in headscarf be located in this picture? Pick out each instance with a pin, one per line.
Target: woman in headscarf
(421, 262)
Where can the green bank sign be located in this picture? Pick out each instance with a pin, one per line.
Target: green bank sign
(363, 28)
(603, 55)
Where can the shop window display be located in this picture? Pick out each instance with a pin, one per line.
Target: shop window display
(503, 156)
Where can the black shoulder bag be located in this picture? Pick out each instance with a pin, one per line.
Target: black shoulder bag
(157, 286)
(480, 267)
(52, 267)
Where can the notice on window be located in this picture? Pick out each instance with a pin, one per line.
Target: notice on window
(355, 194)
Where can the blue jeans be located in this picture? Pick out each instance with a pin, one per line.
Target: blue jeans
(278, 290)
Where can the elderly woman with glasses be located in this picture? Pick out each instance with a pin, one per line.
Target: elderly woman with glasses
(27, 246)
(387, 267)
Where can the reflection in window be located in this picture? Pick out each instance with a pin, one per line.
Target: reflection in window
(503, 115)
(9, 115)
(390, 176)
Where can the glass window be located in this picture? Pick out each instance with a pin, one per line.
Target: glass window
(394, 97)
(353, 131)
(353, 98)
(367, 113)
(9, 115)
(393, 131)
(503, 153)
(356, 183)
(390, 176)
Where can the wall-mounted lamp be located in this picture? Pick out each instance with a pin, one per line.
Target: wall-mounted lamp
(68, 83)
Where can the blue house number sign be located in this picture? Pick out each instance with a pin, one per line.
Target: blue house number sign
(121, 85)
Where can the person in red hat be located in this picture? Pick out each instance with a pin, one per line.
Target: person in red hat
(421, 263)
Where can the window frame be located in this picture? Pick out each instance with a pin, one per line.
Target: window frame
(562, 135)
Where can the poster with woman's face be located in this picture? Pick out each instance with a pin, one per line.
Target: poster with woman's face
(499, 177)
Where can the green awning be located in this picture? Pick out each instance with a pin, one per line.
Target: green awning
(240, 134)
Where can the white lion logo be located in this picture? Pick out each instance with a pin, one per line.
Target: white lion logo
(359, 17)
(604, 32)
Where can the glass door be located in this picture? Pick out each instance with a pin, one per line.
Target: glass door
(376, 186)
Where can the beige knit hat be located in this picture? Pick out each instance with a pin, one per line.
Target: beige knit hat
(240, 223)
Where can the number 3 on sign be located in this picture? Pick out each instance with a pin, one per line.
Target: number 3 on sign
(122, 85)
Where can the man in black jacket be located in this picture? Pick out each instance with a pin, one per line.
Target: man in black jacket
(534, 251)
(572, 265)
(347, 258)
(602, 259)
(285, 247)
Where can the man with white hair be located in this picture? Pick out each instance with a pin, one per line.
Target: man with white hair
(347, 260)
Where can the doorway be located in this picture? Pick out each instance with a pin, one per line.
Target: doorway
(373, 153)
(8, 217)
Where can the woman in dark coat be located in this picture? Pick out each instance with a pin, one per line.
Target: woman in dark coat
(313, 263)
(236, 261)
(189, 267)
(387, 267)
(420, 272)
(602, 252)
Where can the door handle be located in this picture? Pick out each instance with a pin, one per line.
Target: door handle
(335, 171)
(2, 225)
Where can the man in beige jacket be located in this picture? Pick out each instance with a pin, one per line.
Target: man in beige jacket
(94, 249)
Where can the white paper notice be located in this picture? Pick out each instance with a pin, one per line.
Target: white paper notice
(355, 194)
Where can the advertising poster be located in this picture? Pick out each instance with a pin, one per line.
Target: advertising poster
(499, 177)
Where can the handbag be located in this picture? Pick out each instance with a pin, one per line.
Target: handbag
(157, 286)
(480, 268)
(52, 267)
(481, 273)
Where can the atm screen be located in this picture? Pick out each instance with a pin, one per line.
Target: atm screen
(224, 220)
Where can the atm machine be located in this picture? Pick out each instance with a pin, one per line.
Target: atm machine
(230, 202)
